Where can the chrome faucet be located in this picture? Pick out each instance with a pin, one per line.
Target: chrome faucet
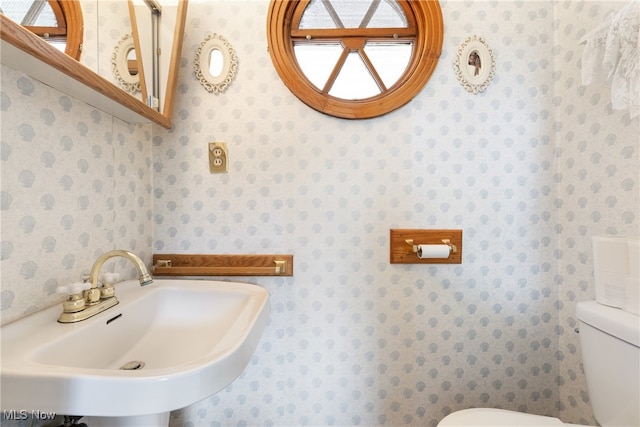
(86, 300)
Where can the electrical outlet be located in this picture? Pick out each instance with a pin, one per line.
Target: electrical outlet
(218, 157)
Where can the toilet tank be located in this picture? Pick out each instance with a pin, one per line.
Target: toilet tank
(610, 342)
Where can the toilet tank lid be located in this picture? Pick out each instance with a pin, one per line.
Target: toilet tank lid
(489, 417)
(614, 321)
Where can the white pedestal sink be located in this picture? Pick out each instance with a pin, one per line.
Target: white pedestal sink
(165, 346)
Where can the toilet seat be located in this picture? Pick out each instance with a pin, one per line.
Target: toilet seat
(488, 417)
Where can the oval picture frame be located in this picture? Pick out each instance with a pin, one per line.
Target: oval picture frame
(475, 65)
(215, 84)
(120, 65)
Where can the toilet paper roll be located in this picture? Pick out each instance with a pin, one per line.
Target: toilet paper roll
(434, 251)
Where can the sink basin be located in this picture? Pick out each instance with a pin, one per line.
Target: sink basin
(165, 346)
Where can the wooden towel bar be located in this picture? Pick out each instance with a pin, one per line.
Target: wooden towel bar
(222, 265)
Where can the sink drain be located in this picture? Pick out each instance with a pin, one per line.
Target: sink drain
(134, 365)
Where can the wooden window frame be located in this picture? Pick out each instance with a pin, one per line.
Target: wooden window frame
(425, 28)
(68, 14)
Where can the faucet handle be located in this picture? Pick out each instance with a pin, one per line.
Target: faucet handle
(73, 288)
(110, 278)
(76, 301)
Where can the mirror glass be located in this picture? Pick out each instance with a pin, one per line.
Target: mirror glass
(132, 62)
(216, 62)
(153, 24)
(125, 37)
(141, 65)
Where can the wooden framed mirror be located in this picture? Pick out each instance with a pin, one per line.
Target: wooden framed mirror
(28, 53)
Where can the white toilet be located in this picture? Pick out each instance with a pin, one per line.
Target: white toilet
(610, 342)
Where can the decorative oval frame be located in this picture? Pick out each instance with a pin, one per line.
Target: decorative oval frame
(215, 84)
(120, 65)
(475, 65)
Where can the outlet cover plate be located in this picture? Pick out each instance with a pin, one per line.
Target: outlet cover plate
(218, 157)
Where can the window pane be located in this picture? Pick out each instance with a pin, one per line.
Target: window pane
(354, 81)
(388, 15)
(316, 15)
(15, 10)
(389, 59)
(317, 61)
(350, 14)
(61, 45)
(31, 13)
(46, 18)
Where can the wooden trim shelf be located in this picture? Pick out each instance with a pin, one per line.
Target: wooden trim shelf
(222, 265)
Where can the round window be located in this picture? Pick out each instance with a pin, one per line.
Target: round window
(355, 59)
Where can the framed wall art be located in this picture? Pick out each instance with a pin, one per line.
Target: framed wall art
(475, 64)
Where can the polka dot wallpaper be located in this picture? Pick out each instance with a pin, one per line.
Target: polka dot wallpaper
(75, 183)
(529, 170)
